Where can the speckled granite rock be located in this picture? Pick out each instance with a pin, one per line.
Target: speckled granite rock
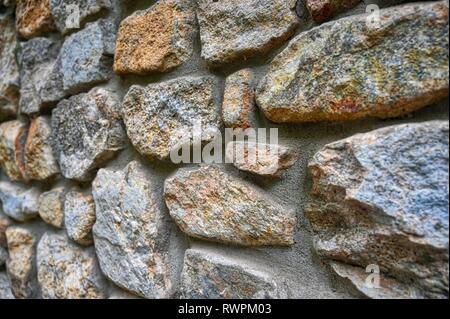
(12, 140)
(232, 30)
(157, 39)
(211, 275)
(209, 204)
(86, 132)
(238, 107)
(69, 15)
(4, 223)
(348, 69)
(51, 207)
(67, 271)
(9, 69)
(19, 202)
(79, 213)
(161, 117)
(40, 164)
(260, 158)
(5, 287)
(132, 234)
(40, 75)
(21, 265)
(382, 198)
(322, 10)
(87, 56)
(33, 18)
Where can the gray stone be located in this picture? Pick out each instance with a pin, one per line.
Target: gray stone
(86, 132)
(87, 56)
(210, 204)
(51, 207)
(381, 198)
(70, 15)
(5, 287)
(9, 69)
(40, 75)
(67, 271)
(21, 265)
(132, 234)
(161, 117)
(212, 275)
(350, 69)
(232, 30)
(79, 217)
(19, 202)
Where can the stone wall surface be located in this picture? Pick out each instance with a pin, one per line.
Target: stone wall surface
(97, 95)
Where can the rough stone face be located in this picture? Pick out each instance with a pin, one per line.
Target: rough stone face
(19, 202)
(33, 18)
(260, 158)
(9, 69)
(40, 75)
(79, 212)
(238, 107)
(67, 271)
(69, 15)
(350, 69)
(232, 30)
(86, 56)
(382, 198)
(51, 207)
(12, 140)
(132, 233)
(4, 223)
(40, 163)
(5, 287)
(209, 204)
(157, 39)
(21, 263)
(209, 275)
(322, 10)
(86, 132)
(161, 117)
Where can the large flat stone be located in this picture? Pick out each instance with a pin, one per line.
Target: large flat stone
(350, 69)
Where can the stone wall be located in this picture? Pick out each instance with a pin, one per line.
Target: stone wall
(95, 94)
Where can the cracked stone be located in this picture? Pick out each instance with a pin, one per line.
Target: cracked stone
(207, 203)
(79, 212)
(19, 202)
(12, 140)
(33, 18)
(347, 69)
(382, 198)
(232, 30)
(157, 39)
(51, 207)
(86, 132)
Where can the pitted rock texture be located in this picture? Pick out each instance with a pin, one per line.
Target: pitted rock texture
(19, 202)
(157, 39)
(232, 30)
(40, 164)
(5, 287)
(132, 233)
(12, 140)
(322, 10)
(9, 69)
(86, 132)
(209, 204)
(211, 275)
(87, 56)
(260, 158)
(70, 15)
(21, 265)
(382, 198)
(79, 214)
(238, 107)
(67, 271)
(348, 69)
(162, 117)
(33, 18)
(40, 75)
(51, 207)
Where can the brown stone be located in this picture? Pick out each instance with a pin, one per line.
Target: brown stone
(157, 39)
(51, 207)
(12, 141)
(322, 10)
(79, 217)
(33, 18)
(4, 223)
